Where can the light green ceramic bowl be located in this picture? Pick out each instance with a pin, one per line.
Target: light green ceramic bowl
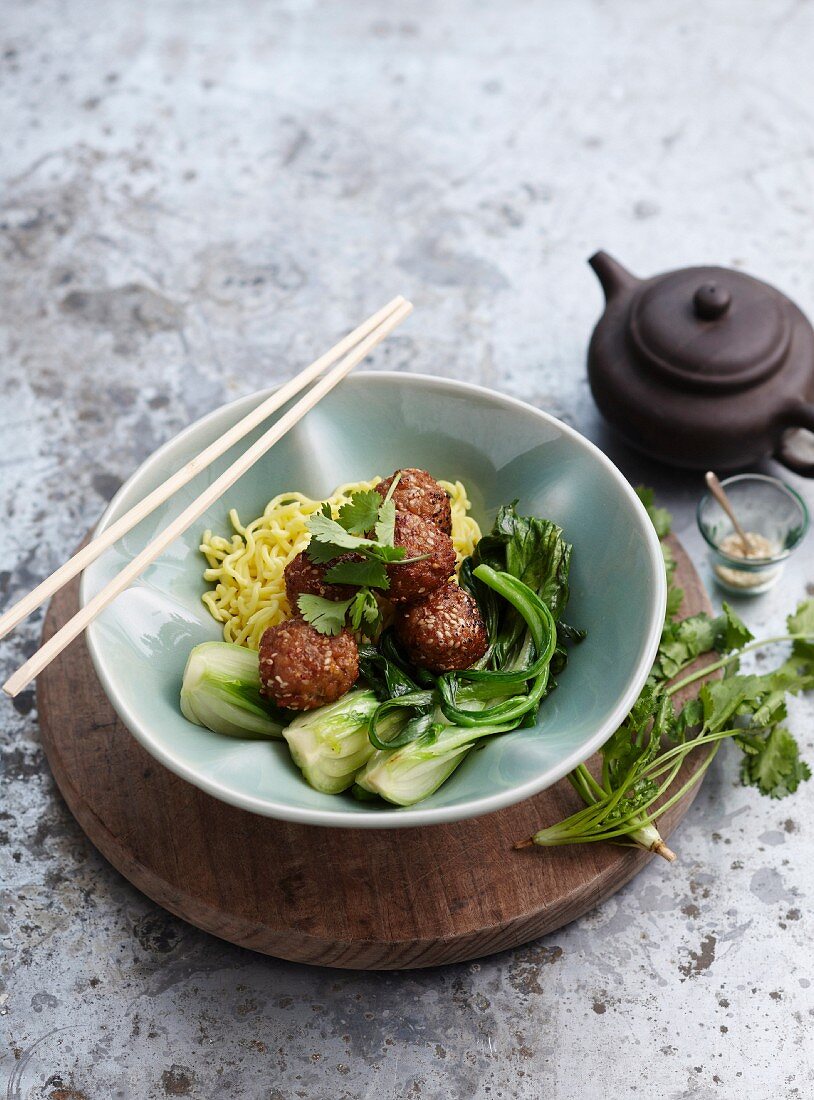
(372, 424)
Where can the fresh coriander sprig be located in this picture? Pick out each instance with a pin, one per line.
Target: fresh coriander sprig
(747, 710)
(331, 538)
(644, 757)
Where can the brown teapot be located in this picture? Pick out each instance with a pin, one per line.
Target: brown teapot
(704, 367)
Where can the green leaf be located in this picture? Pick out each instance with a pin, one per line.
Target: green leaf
(321, 552)
(802, 622)
(365, 614)
(775, 767)
(329, 540)
(731, 631)
(387, 553)
(537, 554)
(746, 708)
(686, 639)
(669, 559)
(326, 616)
(368, 572)
(688, 719)
(383, 671)
(329, 532)
(722, 699)
(675, 598)
(659, 517)
(359, 514)
(386, 523)
(632, 748)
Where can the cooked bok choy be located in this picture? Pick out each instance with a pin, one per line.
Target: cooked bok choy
(413, 771)
(329, 745)
(466, 706)
(402, 735)
(221, 690)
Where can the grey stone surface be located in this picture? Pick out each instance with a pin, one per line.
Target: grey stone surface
(196, 198)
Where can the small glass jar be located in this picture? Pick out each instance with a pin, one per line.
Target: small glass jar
(765, 507)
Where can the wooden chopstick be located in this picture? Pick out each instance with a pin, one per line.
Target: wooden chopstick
(23, 608)
(74, 627)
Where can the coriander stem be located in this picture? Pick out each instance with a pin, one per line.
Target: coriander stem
(730, 657)
(694, 778)
(577, 780)
(590, 782)
(393, 484)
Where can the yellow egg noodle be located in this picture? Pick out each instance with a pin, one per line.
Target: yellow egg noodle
(246, 570)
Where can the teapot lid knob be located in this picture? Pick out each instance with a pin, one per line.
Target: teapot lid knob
(711, 301)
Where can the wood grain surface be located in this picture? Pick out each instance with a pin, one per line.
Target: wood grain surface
(375, 900)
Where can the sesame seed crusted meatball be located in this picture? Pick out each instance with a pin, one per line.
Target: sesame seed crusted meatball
(443, 631)
(414, 580)
(419, 493)
(302, 669)
(304, 576)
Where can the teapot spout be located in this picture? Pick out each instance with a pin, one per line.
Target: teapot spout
(614, 278)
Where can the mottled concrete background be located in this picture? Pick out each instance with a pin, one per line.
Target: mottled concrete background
(196, 199)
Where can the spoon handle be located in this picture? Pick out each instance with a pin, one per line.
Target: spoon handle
(717, 490)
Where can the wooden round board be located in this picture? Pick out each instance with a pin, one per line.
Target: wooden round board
(375, 900)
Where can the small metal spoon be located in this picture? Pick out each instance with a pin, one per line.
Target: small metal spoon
(717, 490)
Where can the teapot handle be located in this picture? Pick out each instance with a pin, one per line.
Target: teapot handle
(800, 416)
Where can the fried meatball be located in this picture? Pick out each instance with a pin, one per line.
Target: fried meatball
(443, 631)
(304, 576)
(419, 536)
(302, 669)
(420, 494)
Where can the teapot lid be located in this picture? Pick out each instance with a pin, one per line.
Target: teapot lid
(711, 328)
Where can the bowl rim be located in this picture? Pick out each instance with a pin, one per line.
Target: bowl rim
(755, 564)
(397, 817)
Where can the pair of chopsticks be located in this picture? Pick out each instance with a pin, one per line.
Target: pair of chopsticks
(349, 351)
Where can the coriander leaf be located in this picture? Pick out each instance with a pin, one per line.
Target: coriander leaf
(802, 622)
(368, 572)
(675, 597)
(773, 764)
(632, 748)
(359, 514)
(371, 611)
(386, 523)
(722, 699)
(794, 675)
(689, 718)
(329, 540)
(386, 553)
(325, 510)
(669, 559)
(683, 641)
(327, 530)
(365, 615)
(659, 517)
(731, 631)
(326, 616)
(321, 552)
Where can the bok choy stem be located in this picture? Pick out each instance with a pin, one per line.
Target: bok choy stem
(221, 690)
